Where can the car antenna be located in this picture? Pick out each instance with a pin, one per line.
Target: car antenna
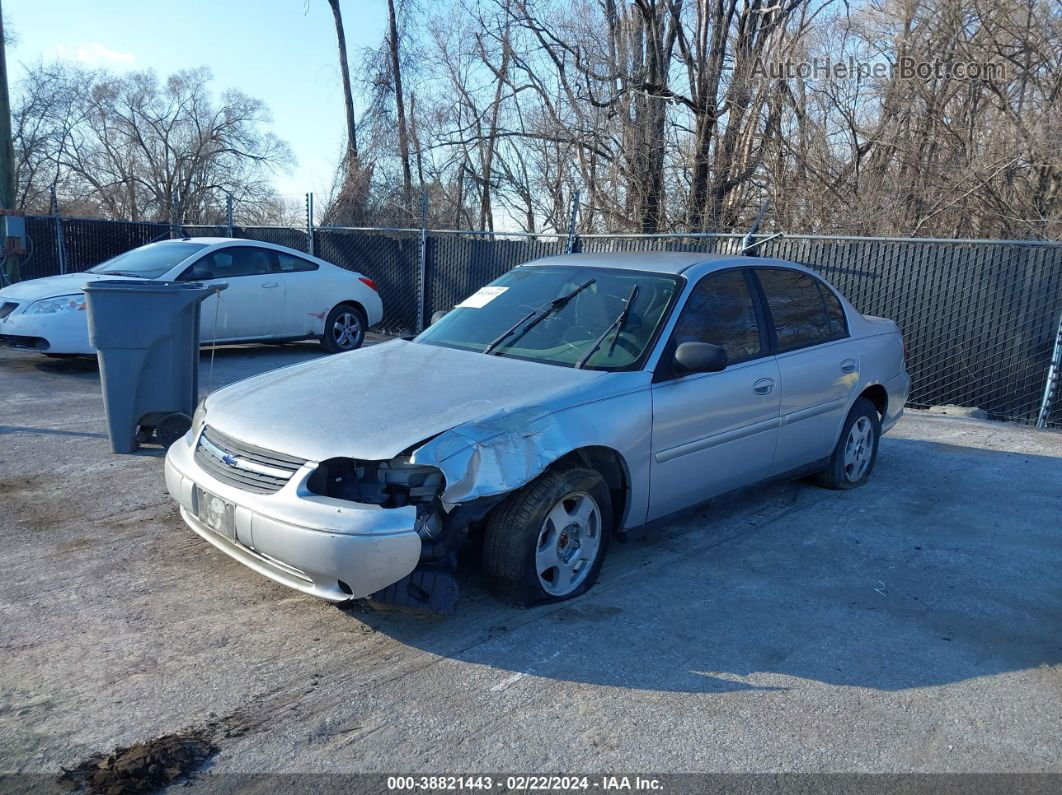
(748, 242)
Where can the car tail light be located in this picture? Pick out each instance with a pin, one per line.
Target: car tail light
(369, 282)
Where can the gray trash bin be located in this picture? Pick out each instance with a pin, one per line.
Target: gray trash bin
(146, 335)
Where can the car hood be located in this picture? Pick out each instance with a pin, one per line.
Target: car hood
(51, 286)
(377, 402)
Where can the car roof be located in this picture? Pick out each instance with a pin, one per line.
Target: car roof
(234, 241)
(210, 241)
(659, 261)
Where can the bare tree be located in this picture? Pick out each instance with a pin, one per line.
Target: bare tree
(135, 147)
(665, 115)
(348, 205)
(400, 107)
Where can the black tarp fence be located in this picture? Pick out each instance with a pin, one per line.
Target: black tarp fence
(980, 317)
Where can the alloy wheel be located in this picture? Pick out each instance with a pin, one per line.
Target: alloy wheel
(346, 331)
(858, 449)
(568, 543)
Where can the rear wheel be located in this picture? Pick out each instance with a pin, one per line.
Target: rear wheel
(853, 458)
(546, 542)
(344, 329)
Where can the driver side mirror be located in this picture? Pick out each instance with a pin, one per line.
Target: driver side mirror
(699, 357)
(437, 316)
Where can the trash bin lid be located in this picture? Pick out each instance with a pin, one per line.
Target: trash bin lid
(149, 286)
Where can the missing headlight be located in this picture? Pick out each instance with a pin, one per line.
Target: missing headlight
(389, 484)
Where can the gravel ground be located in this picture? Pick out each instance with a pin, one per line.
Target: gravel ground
(911, 625)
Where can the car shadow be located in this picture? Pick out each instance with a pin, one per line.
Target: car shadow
(919, 579)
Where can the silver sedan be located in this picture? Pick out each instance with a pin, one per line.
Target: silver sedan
(571, 400)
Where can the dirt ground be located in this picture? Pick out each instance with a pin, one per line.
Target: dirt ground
(912, 625)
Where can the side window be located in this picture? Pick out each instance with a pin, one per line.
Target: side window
(834, 310)
(720, 310)
(290, 264)
(234, 261)
(248, 261)
(796, 307)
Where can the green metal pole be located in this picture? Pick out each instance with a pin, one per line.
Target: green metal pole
(7, 154)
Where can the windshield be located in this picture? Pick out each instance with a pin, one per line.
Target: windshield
(150, 261)
(519, 315)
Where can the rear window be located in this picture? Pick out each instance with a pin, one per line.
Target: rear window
(291, 264)
(834, 310)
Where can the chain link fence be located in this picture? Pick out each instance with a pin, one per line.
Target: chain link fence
(980, 318)
(461, 263)
(390, 258)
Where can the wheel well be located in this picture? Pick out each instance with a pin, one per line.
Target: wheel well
(877, 395)
(611, 466)
(354, 304)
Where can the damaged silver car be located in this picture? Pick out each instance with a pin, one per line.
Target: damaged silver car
(572, 399)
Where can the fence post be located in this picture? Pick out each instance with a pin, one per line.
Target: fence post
(573, 235)
(60, 251)
(175, 230)
(309, 225)
(422, 263)
(228, 213)
(1054, 375)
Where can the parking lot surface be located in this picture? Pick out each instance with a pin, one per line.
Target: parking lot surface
(911, 625)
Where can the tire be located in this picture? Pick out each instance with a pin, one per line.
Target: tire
(853, 458)
(523, 536)
(344, 329)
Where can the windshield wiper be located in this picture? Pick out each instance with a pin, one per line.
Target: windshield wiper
(616, 325)
(531, 319)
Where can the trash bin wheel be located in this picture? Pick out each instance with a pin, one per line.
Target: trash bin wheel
(171, 428)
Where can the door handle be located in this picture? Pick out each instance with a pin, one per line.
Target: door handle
(848, 366)
(764, 386)
(267, 285)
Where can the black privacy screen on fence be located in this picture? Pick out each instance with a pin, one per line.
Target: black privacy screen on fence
(461, 264)
(391, 260)
(979, 318)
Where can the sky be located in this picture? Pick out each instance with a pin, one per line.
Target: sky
(280, 51)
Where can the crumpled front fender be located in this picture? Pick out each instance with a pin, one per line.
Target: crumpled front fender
(500, 454)
(497, 456)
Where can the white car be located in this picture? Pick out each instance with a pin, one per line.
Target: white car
(575, 397)
(274, 293)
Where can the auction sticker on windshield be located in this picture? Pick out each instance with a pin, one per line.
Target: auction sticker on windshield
(482, 297)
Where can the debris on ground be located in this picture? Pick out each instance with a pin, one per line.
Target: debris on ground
(142, 767)
(951, 410)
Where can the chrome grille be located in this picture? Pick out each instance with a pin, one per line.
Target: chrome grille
(243, 465)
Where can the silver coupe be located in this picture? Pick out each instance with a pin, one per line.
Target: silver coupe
(570, 400)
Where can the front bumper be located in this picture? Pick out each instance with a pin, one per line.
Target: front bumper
(299, 539)
(63, 332)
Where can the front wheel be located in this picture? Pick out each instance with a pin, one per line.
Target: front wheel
(856, 452)
(547, 541)
(344, 329)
